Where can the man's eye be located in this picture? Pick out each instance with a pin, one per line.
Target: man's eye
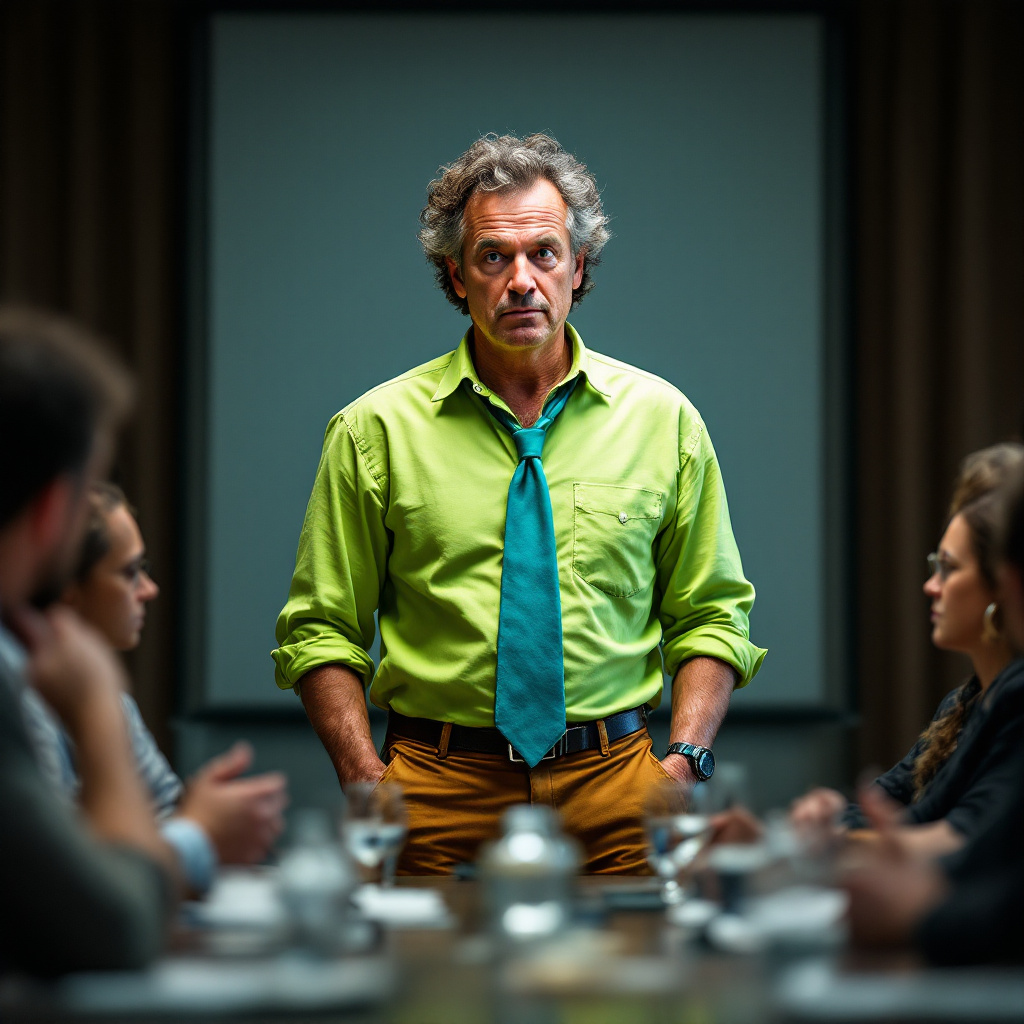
(545, 253)
(492, 257)
(133, 571)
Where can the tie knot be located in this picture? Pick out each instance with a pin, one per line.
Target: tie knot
(529, 442)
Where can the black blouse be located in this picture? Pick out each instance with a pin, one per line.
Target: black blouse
(982, 918)
(981, 771)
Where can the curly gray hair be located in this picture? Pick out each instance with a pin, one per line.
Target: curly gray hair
(493, 164)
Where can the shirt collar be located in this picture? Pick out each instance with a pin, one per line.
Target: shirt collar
(461, 368)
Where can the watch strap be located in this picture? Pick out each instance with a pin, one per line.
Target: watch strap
(692, 751)
(686, 749)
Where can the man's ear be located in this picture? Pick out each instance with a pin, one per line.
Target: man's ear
(50, 513)
(456, 275)
(577, 277)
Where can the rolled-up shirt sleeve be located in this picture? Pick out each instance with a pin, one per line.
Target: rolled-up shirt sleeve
(340, 564)
(705, 598)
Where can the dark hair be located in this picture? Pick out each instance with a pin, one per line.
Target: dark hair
(942, 735)
(104, 497)
(1011, 532)
(983, 471)
(976, 500)
(58, 392)
(504, 163)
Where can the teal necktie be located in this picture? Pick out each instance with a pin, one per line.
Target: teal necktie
(529, 692)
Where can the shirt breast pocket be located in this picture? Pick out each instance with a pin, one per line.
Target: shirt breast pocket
(613, 536)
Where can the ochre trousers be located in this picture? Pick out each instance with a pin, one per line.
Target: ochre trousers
(454, 802)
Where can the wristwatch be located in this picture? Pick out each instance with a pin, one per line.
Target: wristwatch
(702, 761)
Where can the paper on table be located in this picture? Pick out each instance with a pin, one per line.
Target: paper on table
(403, 908)
(802, 914)
(242, 899)
(800, 917)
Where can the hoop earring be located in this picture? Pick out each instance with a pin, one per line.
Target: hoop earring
(990, 631)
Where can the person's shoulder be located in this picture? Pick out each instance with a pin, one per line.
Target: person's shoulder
(408, 391)
(1013, 674)
(651, 400)
(1007, 688)
(633, 383)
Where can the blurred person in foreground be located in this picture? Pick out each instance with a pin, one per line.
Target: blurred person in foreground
(963, 761)
(94, 889)
(968, 907)
(219, 818)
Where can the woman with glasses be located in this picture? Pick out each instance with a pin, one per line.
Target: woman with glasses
(220, 817)
(962, 761)
(966, 908)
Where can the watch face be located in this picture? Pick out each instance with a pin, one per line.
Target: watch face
(705, 763)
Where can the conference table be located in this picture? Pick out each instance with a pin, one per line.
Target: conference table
(620, 964)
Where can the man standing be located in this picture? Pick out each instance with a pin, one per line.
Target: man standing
(99, 891)
(530, 520)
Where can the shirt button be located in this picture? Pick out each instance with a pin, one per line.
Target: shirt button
(478, 389)
(623, 517)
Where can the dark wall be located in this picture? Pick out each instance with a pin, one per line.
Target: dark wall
(93, 139)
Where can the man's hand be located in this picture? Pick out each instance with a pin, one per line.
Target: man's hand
(369, 771)
(889, 893)
(888, 898)
(890, 889)
(736, 825)
(679, 768)
(71, 665)
(242, 817)
(923, 842)
(820, 808)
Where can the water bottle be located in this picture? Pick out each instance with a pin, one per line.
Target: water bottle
(529, 875)
(315, 881)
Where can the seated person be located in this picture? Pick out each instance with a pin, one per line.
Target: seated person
(968, 907)
(962, 760)
(94, 889)
(218, 817)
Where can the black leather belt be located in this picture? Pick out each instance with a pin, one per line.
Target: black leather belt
(578, 736)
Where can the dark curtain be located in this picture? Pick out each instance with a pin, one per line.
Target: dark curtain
(91, 178)
(939, 293)
(87, 210)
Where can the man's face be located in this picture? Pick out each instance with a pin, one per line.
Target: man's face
(518, 272)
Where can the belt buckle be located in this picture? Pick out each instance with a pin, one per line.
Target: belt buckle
(549, 756)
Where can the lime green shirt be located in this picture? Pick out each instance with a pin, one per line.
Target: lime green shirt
(407, 517)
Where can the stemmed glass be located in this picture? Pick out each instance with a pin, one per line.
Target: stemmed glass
(678, 826)
(374, 827)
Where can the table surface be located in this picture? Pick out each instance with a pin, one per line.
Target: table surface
(631, 967)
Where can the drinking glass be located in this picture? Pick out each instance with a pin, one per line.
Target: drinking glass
(678, 826)
(728, 787)
(374, 827)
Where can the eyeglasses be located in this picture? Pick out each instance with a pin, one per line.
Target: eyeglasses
(940, 565)
(134, 571)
